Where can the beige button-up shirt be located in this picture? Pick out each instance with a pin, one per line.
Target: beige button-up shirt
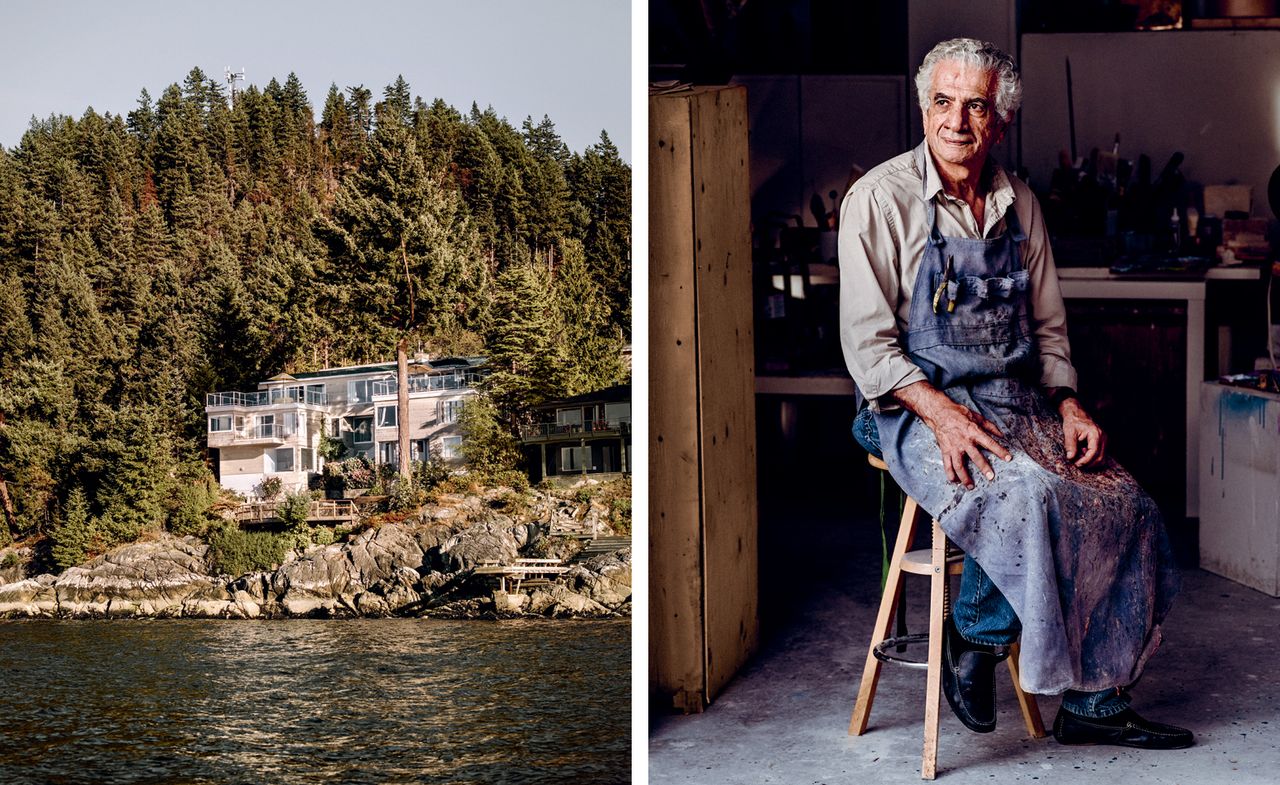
(882, 237)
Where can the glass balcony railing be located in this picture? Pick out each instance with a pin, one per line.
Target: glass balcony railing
(267, 397)
(427, 383)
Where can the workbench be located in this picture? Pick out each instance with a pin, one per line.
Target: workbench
(1100, 283)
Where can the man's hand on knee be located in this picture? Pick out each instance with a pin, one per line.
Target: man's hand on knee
(1078, 428)
(961, 432)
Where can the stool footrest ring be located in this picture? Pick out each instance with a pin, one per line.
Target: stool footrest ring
(881, 649)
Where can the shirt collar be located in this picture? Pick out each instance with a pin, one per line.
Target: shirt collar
(999, 193)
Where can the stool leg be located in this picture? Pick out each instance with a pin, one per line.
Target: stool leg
(1026, 701)
(933, 690)
(884, 619)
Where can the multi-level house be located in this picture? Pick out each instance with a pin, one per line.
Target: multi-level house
(585, 434)
(275, 431)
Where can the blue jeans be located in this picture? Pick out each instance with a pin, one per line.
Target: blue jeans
(983, 615)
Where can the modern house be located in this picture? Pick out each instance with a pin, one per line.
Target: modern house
(585, 434)
(276, 429)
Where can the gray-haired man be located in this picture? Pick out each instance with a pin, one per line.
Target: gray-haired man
(954, 329)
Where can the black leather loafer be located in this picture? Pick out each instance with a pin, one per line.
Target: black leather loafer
(1126, 729)
(969, 678)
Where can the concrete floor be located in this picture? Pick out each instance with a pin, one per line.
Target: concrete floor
(784, 719)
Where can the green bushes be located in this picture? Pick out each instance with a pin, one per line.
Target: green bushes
(294, 509)
(191, 504)
(233, 551)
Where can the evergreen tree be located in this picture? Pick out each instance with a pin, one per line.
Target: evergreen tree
(592, 344)
(399, 246)
(73, 535)
(525, 346)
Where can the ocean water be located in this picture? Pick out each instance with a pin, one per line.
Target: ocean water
(300, 701)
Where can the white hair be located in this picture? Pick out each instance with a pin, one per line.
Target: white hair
(978, 54)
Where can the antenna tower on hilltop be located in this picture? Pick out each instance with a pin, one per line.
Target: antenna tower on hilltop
(233, 77)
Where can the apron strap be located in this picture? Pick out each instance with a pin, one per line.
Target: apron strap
(930, 207)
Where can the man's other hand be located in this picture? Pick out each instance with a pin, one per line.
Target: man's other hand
(1079, 428)
(961, 432)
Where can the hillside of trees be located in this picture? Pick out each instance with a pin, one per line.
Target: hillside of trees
(197, 245)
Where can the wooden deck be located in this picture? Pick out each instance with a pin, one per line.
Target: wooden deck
(520, 571)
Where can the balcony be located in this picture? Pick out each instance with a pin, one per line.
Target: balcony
(265, 434)
(419, 383)
(274, 397)
(553, 432)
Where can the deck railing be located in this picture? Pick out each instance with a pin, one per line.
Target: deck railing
(548, 429)
(458, 380)
(320, 510)
(267, 398)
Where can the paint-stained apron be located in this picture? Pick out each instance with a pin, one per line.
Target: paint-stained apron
(1082, 556)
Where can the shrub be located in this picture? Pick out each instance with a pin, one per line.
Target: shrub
(233, 551)
(431, 473)
(405, 495)
(294, 509)
(10, 560)
(620, 514)
(269, 488)
(191, 505)
(331, 448)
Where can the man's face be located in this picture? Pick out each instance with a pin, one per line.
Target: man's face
(961, 123)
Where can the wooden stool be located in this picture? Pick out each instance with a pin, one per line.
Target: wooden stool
(934, 563)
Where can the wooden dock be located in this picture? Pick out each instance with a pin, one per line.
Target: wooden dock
(520, 571)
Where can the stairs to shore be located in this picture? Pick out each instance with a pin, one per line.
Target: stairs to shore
(592, 548)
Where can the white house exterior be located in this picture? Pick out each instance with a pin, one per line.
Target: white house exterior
(276, 429)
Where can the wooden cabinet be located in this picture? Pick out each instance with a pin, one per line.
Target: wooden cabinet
(702, 482)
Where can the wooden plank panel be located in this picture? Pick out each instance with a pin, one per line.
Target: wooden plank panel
(726, 378)
(676, 637)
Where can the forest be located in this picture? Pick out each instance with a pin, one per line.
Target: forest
(205, 242)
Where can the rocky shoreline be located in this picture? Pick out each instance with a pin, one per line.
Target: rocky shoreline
(421, 566)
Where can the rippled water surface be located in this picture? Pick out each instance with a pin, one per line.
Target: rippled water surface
(377, 701)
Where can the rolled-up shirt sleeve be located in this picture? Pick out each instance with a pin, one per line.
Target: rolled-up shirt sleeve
(1048, 311)
(869, 294)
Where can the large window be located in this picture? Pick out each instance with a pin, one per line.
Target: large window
(569, 417)
(361, 430)
(573, 459)
(389, 452)
(284, 460)
(387, 416)
(220, 423)
(449, 410)
(308, 459)
(450, 447)
(418, 450)
(360, 391)
(615, 413)
(264, 426)
(290, 424)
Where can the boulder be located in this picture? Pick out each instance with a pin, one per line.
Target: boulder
(145, 578)
(606, 578)
(485, 541)
(31, 597)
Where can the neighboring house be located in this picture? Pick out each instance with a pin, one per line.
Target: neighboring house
(276, 429)
(585, 434)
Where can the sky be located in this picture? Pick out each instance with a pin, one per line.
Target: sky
(568, 59)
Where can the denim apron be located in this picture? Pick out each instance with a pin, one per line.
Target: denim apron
(1081, 556)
